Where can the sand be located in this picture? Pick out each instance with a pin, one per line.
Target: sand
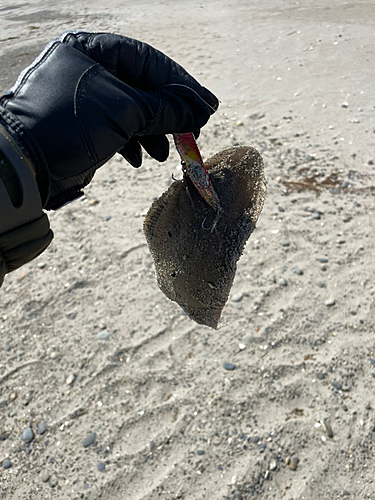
(278, 403)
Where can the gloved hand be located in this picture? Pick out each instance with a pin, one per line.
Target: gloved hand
(88, 96)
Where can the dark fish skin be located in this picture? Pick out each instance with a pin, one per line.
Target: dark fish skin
(196, 267)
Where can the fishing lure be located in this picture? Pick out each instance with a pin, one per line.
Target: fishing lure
(192, 164)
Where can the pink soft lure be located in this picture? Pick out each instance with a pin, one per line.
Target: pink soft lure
(193, 166)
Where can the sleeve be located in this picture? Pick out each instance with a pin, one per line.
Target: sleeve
(23, 244)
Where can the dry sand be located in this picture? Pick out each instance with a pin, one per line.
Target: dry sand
(295, 419)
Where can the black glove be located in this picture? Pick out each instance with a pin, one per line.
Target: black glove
(88, 96)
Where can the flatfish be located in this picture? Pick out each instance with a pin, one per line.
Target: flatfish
(195, 266)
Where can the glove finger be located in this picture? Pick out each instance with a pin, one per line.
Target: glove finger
(132, 152)
(156, 146)
(142, 66)
(180, 110)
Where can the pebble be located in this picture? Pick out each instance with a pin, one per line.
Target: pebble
(45, 476)
(7, 464)
(254, 439)
(283, 282)
(328, 428)
(201, 452)
(27, 436)
(237, 297)
(89, 439)
(284, 243)
(316, 215)
(229, 366)
(103, 335)
(70, 379)
(273, 465)
(293, 462)
(42, 428)
(322, 260)
(320, 284)
(336, 385)
(101, 466)
(297, 270)
(330, 302)
(13, 396)
(41, 265)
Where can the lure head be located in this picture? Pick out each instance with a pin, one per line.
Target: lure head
(193, 165)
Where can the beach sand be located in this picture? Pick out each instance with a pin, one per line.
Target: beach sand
(278, 403)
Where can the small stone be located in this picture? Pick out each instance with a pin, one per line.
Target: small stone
(70, 379)
(316, 215)
(261, 447)
(330, 302)
(20, 352)
(273, 465)
(283, 282)
(13, 396)
(45, 476)
(297, 270)
(345, 104)
(322, 260)
(293, 463)
(41, 265)
(101, 466)
(239, 124)
(237, 297)
(229, 366)
(320, 284)
(42, 428)
(328, 428)
(284, 243)
(336, 385)
(89, 439)
(7, 464)
(201, 452)
(27, 436)
(103, 335)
